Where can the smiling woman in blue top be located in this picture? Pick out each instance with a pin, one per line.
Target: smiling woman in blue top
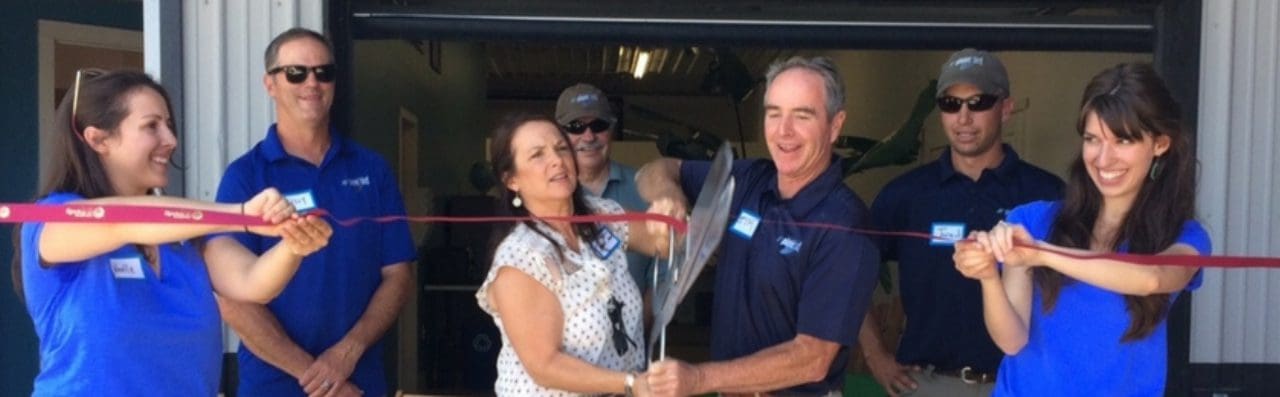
(1096, 327)
(128, 309)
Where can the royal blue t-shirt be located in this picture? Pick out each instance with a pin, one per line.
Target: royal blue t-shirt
(333, 286)
(1075, 349)
(110, 326)
(778, 279)
(944, 325)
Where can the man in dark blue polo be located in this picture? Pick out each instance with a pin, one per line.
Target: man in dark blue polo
(323, 334)
(945, 349)
(788, 299)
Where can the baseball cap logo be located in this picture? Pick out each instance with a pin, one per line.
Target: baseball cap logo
(584, 98)
(967, 62)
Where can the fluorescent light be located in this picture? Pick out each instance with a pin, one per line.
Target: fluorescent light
(642, 65)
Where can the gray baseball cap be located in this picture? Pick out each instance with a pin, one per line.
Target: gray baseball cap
(582, 100)
(976, 67)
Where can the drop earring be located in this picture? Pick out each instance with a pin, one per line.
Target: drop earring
(1155, 169)
(517, 202)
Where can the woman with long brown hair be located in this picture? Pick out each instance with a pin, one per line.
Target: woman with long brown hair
(1096, 327)
(560, 292)
(128, 308)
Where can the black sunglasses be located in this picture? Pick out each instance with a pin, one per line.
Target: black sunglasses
(976, 103)
(597, 126)
(621, 342)
(297, 74)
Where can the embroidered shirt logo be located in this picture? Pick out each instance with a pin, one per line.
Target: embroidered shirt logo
(788, 246)
(356, 182)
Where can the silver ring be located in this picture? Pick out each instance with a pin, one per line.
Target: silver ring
(325, 385)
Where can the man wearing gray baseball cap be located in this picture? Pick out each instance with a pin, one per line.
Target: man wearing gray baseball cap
(585, 113)
(945, 349)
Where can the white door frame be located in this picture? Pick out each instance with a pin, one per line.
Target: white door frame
(53, 32)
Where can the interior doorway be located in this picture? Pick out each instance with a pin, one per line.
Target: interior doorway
(67, 47)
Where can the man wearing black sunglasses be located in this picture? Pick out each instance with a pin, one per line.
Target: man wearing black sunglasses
(322, 334)
(585, 113)
(945, 349)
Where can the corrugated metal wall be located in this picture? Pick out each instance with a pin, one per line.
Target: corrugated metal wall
(1236, 313)
(226, 109)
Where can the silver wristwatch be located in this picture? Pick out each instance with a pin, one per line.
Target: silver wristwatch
(630, 384)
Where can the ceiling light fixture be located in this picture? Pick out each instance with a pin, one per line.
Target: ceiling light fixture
(641, 66)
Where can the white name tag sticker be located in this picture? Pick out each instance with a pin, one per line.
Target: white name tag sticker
(302, 201)
(746, 224)
(127, 268)
(946, 233)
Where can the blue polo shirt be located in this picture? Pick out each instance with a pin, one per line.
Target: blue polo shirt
(333, 286)
(945, 327)
(777, 280)
(621, 187)
(1075, 349)
(109, 325)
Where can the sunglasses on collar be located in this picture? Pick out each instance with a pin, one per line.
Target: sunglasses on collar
(976, 103)
(297, 74)
(621, 341)
(597, 126)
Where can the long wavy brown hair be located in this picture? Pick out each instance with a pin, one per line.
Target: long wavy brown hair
(504, 165)
(1133, 102)
(101, 101)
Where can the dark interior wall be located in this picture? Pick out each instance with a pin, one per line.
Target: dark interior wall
(449, 105)
(19, 115)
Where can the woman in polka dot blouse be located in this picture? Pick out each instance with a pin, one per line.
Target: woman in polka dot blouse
(569, 312)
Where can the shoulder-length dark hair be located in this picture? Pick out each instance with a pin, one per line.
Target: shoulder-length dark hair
(1133, 102)
(504, 165)
(101, 100)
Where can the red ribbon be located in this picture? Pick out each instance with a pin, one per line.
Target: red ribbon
(679, 225)
(88, 213)
(1138, 259)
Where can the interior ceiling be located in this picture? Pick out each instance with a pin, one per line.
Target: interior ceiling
(540, 70)
(530, 71)
(777, 9)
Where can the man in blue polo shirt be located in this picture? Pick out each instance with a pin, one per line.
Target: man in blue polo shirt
(322, 335)
(945, 349)
(788, 298)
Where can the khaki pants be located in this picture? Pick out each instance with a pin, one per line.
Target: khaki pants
(936, 385)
